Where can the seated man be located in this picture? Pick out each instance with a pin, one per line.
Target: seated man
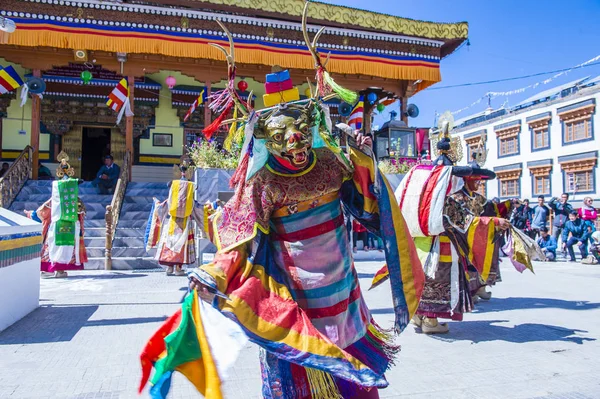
(548, 244)
(107, 176)
(5, 167)
(44, 173)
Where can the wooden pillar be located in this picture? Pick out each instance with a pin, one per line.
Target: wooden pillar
(207, 113)
(404, 102)
(35, 129)
(57, 141)
(129, 126)
(367, 110)
(403, 106)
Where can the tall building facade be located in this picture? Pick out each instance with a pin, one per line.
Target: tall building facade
(546, 145)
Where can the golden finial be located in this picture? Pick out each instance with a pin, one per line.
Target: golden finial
(481, 152)
(185, 169)
(444, 127)
(64, 167)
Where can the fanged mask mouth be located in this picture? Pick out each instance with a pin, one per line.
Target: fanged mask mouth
(298, 158)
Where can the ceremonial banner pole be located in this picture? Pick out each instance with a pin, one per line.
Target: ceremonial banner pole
(129, 125)
(35, 129)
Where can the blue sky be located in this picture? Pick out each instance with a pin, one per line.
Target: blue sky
(508, 38)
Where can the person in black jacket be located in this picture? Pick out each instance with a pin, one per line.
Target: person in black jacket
(521, 216)
(561, 209)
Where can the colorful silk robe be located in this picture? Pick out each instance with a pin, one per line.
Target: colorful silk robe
(57, 257)
(169, 225)
(286, 265)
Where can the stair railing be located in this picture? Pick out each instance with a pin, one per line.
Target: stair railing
(114, 209)
(15, 177)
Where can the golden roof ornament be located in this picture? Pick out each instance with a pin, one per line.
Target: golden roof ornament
(64, 168)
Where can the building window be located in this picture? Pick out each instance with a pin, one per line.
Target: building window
(581, 181)
(482, 188)
(577, 121)
(541, 185)
(578, 172)
(509, 146)
(578, 130)
(541, 138)
(509, 188)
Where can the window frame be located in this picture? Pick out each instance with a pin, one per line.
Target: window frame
(517, 191)
(502, 143)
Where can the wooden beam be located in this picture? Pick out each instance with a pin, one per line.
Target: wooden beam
(129, 125)
(35, 129)
(200, 69)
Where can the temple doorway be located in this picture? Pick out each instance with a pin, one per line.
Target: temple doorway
(95, 145)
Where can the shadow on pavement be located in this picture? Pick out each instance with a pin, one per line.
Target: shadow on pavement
(104, 276)
(120, 322)
(48, 324)
(501, 304)
(486, 331)
(60, 324)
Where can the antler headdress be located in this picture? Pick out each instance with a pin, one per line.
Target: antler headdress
(325, 83)
(224, 100)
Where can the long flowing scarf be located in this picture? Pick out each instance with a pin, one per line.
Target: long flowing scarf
(65, 225)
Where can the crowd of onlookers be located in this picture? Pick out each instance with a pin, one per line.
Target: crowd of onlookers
(573, 228)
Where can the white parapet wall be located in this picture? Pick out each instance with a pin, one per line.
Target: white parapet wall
(20, 248)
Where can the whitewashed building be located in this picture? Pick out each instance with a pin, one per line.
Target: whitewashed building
(546, 145)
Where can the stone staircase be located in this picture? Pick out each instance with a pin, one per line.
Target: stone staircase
(36, 192)
(128, 246)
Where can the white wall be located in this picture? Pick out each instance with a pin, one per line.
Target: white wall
(19, 291)
(526, 155)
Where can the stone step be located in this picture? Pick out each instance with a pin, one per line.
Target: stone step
(147, 192)
(137, 199)
(131, 263)
(122, 252)
(141, 185)
(133, 223)
(95, 232)
(118, 242)
(136, 207)
(124, 232)
(135, 215)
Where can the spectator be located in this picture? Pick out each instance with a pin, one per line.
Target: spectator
(375, 242)
(580, 231)
(588, 212)
(44, 173)
(359, 234)
(521, 217)
(107, 176)
(562, 209)
(5, 167)
(595, 245)
(548, 244)
(539, 217)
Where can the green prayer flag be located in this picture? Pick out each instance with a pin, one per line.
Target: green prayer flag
(182, 345)
(68, 191)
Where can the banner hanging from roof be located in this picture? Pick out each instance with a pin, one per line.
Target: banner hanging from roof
(100, 37)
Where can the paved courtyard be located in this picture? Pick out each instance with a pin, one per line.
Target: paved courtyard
(537, 338)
